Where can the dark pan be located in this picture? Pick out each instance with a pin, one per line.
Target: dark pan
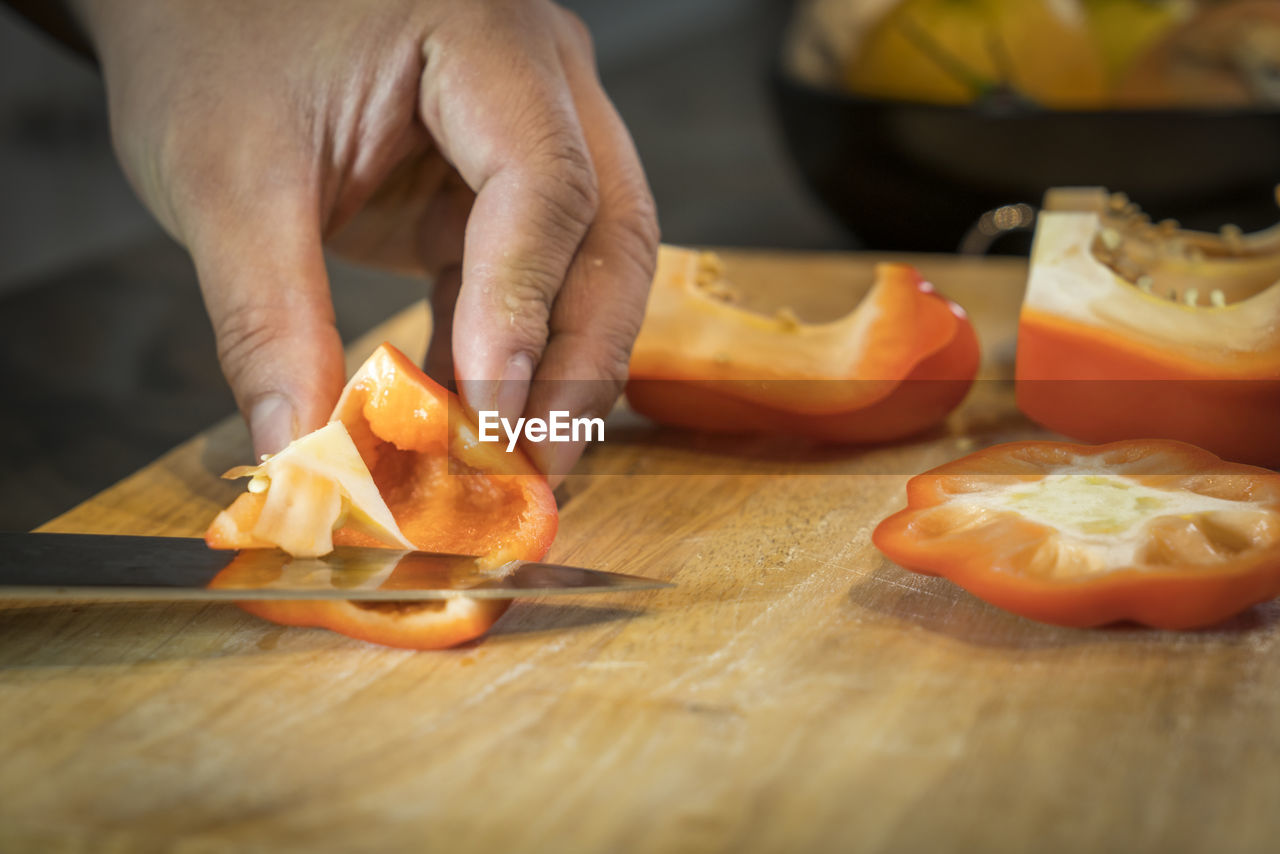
(912, 176)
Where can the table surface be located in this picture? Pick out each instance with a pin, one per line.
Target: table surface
(795, 691)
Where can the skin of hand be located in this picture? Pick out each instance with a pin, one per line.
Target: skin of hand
(468, 140)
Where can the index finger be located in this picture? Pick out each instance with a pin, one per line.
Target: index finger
(598, 312)
(511, 130)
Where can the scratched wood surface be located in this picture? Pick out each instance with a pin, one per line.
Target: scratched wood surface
(794, 692)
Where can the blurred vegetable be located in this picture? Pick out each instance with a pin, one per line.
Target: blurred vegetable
(959, 51)
(1124, 29)
(1228, 55)
(1064, 54)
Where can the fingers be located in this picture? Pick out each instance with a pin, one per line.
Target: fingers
(498, 105)
(262, 274)
(598, 312)
(561, 240)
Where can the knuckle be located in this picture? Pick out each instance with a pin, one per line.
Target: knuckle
(530, 285)
(174, 176)
(567, 182)
(638, 222)
(196, 187)
(633, 233)
(528, 289)
(183, 158)
(243, 335)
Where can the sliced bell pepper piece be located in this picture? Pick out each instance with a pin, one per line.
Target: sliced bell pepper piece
(896, 365)
(1132, 330)
(307, 490)
(444, 490)
(1156, 532)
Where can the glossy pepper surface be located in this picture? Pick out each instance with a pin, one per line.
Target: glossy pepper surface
(1131, 330)
(896, 365)
(446, 491)
(1156, 532)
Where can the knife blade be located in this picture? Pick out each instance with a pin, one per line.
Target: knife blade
(110, 566)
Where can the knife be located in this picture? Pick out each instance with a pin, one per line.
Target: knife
(92, 566)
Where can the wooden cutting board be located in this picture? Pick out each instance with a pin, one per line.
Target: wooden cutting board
(795, 692)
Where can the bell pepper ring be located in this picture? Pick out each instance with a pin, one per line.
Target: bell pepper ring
(1132, 330)
(1155, 532)
(896, 365)
(399, 465)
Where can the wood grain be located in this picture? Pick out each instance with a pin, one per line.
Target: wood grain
(795, 692)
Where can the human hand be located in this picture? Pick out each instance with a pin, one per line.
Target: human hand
(465, 139)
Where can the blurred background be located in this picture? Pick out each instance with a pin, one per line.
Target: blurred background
(817, 124)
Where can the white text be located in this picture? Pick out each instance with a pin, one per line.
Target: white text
(558, 428)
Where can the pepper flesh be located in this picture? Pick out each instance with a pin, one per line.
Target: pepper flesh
(307, 490)
(1130, 330)
(894, 366)
(1157, 532)
(447, 492)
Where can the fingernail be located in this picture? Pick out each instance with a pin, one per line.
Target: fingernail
(272, 424)
(513, 391)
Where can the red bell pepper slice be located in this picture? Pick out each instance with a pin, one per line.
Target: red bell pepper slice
(1130, 331)
(447, 491)
(1156, 532)
(896, 365)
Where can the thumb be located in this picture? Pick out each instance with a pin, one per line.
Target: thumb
(265, 286)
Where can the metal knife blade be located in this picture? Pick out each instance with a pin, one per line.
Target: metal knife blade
(107, 566)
